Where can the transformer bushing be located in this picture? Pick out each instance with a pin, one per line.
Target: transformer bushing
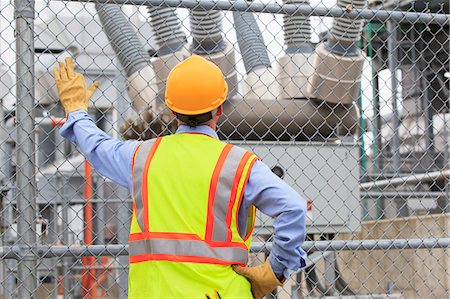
(207, 41)
(141, 79)
(339, 63)
(259, 81)
(294, 67)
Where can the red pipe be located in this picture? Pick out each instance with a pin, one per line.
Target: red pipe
(57, 121)
(88, 280)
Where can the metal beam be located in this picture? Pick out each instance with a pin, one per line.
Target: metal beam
(409, 179)
(18, 252)
(291, 9)
(25, 147)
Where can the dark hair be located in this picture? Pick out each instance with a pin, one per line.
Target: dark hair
(195, 120)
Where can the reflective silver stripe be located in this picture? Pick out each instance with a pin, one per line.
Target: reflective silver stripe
(223, 193)
(138, 171)
(191, 248)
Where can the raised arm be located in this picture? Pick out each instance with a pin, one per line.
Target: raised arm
(110, 157)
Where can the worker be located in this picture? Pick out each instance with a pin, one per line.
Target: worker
(194, 197)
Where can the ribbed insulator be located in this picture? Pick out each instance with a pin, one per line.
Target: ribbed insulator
(297, 29)
(347, 30)
(123, 38)
(166, 25)
(206, 29)
(250, 41)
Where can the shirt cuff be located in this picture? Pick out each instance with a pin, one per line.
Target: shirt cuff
(66, 130)
(278, 267)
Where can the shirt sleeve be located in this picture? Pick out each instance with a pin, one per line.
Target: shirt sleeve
(272, 196)
(112, 158)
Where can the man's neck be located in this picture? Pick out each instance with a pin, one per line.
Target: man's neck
(211, 125)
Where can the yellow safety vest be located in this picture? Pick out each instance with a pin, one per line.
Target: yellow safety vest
(187, 190)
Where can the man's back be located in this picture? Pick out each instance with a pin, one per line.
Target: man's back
(190, 194)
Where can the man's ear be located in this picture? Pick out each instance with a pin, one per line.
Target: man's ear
(219, 110)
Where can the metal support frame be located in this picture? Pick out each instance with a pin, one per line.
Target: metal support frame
(292, 9)
(409, 179)
(7, 221)
(26, 163)
(18, 252)
(393, 67)
(330, 273)
(123, 222)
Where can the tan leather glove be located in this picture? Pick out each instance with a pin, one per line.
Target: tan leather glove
(261, 277)
(72, 90)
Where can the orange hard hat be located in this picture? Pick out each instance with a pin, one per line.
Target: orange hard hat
(195, 86)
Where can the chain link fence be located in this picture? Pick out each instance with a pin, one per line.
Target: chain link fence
(347, 101)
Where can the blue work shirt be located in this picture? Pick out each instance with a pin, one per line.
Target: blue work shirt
(112, 158)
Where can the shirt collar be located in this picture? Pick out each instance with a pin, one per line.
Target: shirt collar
(202, 129)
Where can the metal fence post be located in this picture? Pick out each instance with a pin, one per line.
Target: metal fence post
(8, 220)
(25, 177)
(402, 207)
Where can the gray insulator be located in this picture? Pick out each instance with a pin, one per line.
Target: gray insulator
(250, 41)
(126, 44)
(344, 30)
(167, 27)
(297, 29)
(206, 28)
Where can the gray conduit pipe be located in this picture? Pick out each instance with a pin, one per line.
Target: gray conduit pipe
(297, 29)
(141, 79)
(123, 38)
(259, 81)
(170, 39)
(206, 28)
(347, 31)
(167, 27)
(250, 41)
(208, 41)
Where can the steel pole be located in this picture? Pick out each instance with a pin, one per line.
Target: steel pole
(25, 156)
(123, 230)
(124, 204)
(393, 67)
(401, 204)
(10, 265)
(16, 252)
(292, 9)
(409, 179)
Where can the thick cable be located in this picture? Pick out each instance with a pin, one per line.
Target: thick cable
(250, 41)
(345, 30)
(290, 9)
(167, 27)
(206, 29)
(297, 29)
(123, 38)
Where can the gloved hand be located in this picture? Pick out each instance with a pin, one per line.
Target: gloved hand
(261, 277)
(72, 90)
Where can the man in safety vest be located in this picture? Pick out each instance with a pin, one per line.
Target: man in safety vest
(194, 197)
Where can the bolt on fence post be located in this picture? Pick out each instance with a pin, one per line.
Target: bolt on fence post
(25, 145)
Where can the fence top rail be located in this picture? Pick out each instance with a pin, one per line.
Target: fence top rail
(48, 251)
(291, 9)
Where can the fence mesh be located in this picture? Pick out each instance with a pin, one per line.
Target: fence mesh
(346, 101)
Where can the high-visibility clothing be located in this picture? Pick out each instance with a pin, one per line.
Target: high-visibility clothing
(187, 190)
